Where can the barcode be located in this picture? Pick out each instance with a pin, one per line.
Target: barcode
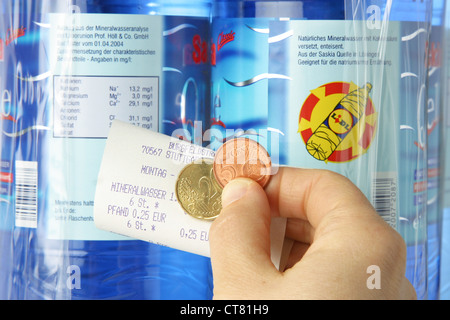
(384, 196)
(26, 194)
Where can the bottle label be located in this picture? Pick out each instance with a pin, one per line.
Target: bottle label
(356, 102)
(73, 75)
(102, 69)
(337, 96)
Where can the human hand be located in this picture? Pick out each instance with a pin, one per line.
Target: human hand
(337, 235)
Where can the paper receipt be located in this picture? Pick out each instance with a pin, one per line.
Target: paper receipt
(135, 193)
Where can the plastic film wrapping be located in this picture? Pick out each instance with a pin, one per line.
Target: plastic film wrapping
(339, 85)
(67, 70)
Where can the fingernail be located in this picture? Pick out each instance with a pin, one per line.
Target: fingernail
(234, 190)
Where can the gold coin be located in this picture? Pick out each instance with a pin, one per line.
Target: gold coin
(197, 190)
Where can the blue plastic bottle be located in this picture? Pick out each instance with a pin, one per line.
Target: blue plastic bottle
(49, 66)
(337, 85)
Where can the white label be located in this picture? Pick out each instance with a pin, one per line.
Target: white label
(135, 193)
(102, 67)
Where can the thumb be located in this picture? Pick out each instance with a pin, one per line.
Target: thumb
(240, 236)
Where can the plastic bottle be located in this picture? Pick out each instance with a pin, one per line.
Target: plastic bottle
(282, 68)
(51, 66)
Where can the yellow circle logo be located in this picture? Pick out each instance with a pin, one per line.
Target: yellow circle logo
(338, 121)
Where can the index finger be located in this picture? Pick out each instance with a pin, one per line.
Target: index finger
(311, 194)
